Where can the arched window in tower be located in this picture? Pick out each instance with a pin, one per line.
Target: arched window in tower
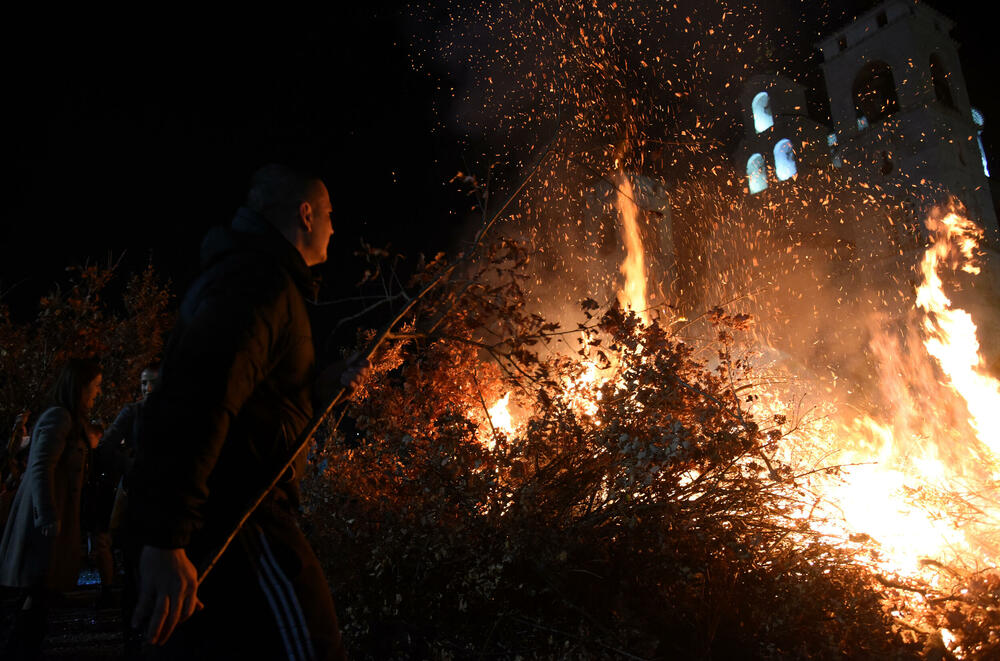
(979, 120)
(875, 92)
(784, 160)
(762, 117)
(939, 75)
(756, 174)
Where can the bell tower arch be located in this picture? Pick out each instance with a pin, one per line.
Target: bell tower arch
(899, 104)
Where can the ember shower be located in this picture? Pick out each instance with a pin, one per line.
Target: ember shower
(849, 282)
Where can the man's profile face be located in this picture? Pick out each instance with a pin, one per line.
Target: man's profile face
(148, 381)
(318, 239)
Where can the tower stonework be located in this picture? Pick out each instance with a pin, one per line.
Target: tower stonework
(900, 108)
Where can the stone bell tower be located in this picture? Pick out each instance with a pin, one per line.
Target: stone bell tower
(899, 105)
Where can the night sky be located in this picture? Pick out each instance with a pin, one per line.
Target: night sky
(128, 135)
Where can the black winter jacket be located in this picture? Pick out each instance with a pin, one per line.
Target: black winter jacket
(236, 390)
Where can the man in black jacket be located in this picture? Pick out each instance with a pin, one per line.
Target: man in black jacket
(236, 390)
(111, 460)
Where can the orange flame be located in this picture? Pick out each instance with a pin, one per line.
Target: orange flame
(633, 294)
(501, 417)
(951, 333)
(898, 474)
(912, 466)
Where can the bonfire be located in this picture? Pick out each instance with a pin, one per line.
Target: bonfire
(519, 487)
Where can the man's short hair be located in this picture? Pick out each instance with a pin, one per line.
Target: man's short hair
(276, 191)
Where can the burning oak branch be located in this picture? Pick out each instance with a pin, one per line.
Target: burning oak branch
(613, 487)
(532, 478)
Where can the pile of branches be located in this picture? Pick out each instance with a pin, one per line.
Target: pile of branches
(957, 618)
(651, 522)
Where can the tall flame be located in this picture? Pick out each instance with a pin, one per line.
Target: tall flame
(903, 474)
(912, 479)
(633, 294)
(912, 464)
(951, 333)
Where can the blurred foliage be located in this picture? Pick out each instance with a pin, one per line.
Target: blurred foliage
(79, 321)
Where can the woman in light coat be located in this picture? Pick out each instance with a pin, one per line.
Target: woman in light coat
(40, 550)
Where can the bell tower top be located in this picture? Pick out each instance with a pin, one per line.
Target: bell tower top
(899, 104)
(894, 57)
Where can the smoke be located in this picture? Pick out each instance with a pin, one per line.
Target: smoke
(824, 262)
(607, 67)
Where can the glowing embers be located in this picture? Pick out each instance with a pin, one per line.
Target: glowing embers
(756, 174)
(875, 92)
(939, 76)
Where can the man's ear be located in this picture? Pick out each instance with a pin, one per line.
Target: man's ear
(306, 216)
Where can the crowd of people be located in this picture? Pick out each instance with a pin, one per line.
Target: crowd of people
(203, 471)
(63, 490)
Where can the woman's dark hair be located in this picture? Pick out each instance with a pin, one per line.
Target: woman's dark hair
(67, 391)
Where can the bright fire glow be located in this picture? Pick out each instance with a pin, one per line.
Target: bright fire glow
(951, 333)
(584, 390)
(500, 416)
(633, 294)
(923, 488)
(917, 485)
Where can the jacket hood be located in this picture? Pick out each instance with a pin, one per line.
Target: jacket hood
(250, 232)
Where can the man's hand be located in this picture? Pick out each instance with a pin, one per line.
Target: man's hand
(355, 371)
(348, 373)
(168, 592)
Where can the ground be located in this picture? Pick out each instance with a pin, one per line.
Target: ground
(77, 630)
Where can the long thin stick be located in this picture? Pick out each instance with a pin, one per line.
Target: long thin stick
(310, 430)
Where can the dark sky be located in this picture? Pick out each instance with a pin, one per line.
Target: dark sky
(136, 138)
(132, 134)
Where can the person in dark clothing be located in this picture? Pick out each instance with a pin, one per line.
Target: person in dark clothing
(13, 461)
(236, 390)
(119, 438)
(40, 548)
(114, 455)
(116, 450)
